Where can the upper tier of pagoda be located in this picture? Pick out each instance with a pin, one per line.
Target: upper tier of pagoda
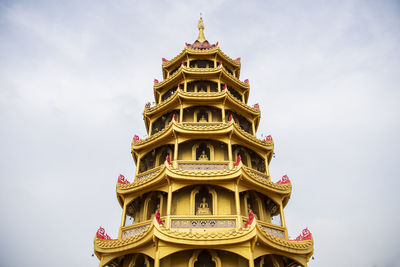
(192, 61)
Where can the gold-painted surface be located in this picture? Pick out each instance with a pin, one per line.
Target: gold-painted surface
(203, 198)
(201, 38)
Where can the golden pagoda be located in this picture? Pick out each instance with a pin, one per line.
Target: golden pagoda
(202, 194)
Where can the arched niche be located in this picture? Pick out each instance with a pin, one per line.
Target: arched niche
(249, 158)
(241, 121)
(162, 154)
(153, 201)
(253, 202)
(205, 63)
(155, 157)
(198, 148)
(208, 258)
(202, 86)
(268, 260)
(197, 113)
(140, 260)
(244, 155)
(202, 115)
(162, 122)
(143, 208)
(197, 193)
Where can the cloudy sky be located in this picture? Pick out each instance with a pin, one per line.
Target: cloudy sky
(75, 75)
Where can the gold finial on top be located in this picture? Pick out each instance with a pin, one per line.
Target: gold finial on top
(200, 26)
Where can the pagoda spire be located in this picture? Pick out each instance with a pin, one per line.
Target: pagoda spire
(200, 26)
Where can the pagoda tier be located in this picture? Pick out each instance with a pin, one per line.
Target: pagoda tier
(181, 101)
(202, 194)
(187, 77)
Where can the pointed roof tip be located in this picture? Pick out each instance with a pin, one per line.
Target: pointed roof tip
(201, 38)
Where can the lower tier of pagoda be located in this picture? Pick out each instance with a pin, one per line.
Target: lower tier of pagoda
(162, 237)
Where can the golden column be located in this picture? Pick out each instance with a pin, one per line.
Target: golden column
(202, 194)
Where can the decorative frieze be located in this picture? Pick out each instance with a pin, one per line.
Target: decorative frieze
(273, 231)
(203, 223)
(135, 230)
(209, 166)
(149, 173)
(262, 176)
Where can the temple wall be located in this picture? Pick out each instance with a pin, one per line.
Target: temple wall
(226, 202)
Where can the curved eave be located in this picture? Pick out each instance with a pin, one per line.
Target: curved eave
(106, 250)
(150, 183)
(157, 180)
(301, 251)
(177, 60)
(200, 73)
(284, 190)
(196, 98)
(166, 136)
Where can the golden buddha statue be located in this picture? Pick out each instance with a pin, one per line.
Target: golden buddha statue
(202, 119)
(203, 156)
(203, 208)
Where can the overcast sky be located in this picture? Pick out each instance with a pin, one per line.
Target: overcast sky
(75, 75)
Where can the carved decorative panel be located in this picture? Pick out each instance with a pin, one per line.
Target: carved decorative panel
(203, 166)
(273, 231)
(203, 223)
(135, 231)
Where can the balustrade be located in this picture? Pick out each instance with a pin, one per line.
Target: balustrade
(209, 222)
(135, 229)
(202, 124)
(272, 230)
(203, 166)
(147, 173)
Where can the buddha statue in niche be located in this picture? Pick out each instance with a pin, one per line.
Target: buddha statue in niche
(203, 119)
(203, 156)
(203, 208)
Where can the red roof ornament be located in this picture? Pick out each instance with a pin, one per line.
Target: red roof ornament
(135, 138)
(155, 81)
(257, 106)
(122, 179)
(101, 234)
(147, 105)
(268, 138)
(158, 217)
(183, 63)
(174, 117)
(216, 44)
(164, 60)
(246, 81)
(230, 117)
(187, 44)
(250, 219)
(284, 180)
(179, 86)
(238, 59)
(168, 160)
(220, 63)
(238, 160)
(225, 87)
(305, 235)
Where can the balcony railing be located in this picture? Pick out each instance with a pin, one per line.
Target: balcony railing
(135, 229)
(258, 174)
(203, 165)
(201, 124)
(148, 173)
(204, 222)
(272, 229)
